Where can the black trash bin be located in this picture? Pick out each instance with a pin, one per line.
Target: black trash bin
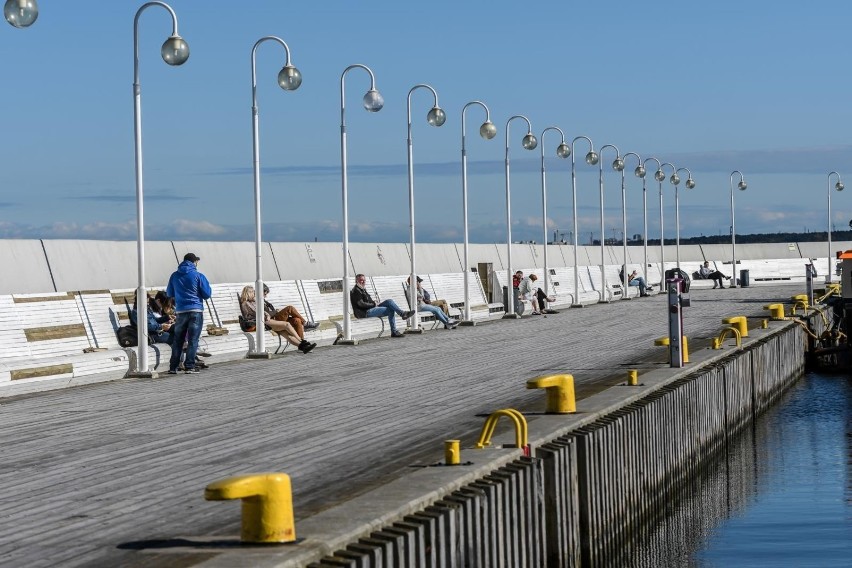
(744, 278)
(678, 273)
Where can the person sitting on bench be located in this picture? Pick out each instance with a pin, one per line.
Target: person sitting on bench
(365, 307)
(248, 307)
(635, 280)
(424, 304)
(532, 293)
(708, 273)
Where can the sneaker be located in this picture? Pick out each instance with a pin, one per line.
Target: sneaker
(452, 324)
(307, 348)
(311, 325)
(397, 334)
(172, 372)
(407, 314)
(203, 354)
(191, 371)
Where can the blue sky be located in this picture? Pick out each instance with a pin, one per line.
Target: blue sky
(712, 86)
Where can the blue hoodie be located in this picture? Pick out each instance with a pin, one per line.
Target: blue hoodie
(188, 287)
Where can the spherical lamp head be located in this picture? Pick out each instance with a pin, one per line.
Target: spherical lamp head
(592, 158)
(659, 175)
(563, 150)
(436, 116)
(640, 171)
(690, 183)
(742, 185)
(21, 13)
(488, 130)
(175, 50)
(289, 78)
(618, 165)
(373, 101)
(675, 179)
(839, 186)
(529, 142)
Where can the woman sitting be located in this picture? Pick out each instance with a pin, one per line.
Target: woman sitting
(248, 307)
(159, 318)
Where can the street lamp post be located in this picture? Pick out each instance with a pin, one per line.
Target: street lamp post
(838, 187)
(21, 13)
(591, 159)
(529, 143)
(660, 176)
(487, 131)
(373, 102)
(742, 185)
(435, 117)
(563, 151)
(690, 184)
(616, 164)
(289, 79)
(639, 172)
(174, 51)
(645, 208)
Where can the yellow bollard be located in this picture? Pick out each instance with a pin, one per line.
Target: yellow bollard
(717, 342)
(452, 452)
(267, 505)
(776, 311)
(491, 423)
(632, 377)
(764, 324)
(664, 341)
(800, 298)
(740, 322)
(559, 391)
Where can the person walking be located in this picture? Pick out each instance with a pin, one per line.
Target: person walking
(189, 288)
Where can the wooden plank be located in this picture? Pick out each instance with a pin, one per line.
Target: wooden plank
(33, 372)
(55, 332)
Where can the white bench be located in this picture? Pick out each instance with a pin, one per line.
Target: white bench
(449, 286)
(324, 298)
(563, 282)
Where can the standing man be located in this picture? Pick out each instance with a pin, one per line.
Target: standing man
(189, 288)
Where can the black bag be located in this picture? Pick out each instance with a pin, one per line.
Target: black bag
(246, 325)
(127, 336)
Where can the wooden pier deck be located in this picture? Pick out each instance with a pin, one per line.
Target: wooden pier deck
(91, 472)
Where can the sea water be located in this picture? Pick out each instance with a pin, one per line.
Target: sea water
(781, 496)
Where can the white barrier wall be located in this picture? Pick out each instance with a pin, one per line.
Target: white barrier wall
(522, 256)
(435, 258)
(380, 259)
(820, 250)
(24, 268)
(482, 253)
(555, 255)
(107, 265)
(309, 261)
(227, 261)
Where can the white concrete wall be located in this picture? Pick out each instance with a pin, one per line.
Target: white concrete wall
(228, 261)
(820, 250)
(24, 268)
(107, 265)
(482, 253)
(435, 258)
(309, 261)
(380, 259)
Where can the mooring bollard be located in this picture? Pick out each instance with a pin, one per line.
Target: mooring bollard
(632, 377)
(267, 505)
(664, 342)
(740, 322)
(559, 392)
(521, 438)
(452, 452)
(776, 311)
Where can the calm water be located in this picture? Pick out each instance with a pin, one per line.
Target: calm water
(781, 498)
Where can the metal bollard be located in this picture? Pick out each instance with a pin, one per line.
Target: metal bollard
(452, 452)
(267, 505)
(740, 322)
(632, 377)
(559, 391)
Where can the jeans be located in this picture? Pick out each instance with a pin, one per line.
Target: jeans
(439, 313)
(187, 326)
(387, 309)
(639, 281)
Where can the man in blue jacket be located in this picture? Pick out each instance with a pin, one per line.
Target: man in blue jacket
(189, 288)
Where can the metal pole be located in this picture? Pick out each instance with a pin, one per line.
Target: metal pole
(510, 296)
(574, 211)
(601, 191)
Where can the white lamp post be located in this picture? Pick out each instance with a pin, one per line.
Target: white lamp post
(373, 102)
(591, 159)
(563, 151)
(838, 187)
(175, 51)
(289, 79)
(529, 143)
(660, 176)
(435, 117)
(21, 13)
(487, 131)
(618, 162)
(645, 211)
(639, 172)
(742, 185)
(690, 184)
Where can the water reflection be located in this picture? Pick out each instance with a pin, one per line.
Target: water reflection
(781, 494)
